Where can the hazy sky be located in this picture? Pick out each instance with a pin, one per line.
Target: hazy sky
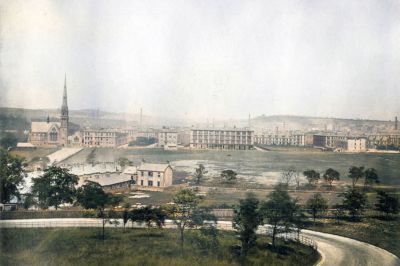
(204, 59)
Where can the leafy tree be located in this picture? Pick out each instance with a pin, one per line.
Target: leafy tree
(11, 176)
(9, 140)
(371, 177)
(387, 204)
(331, 175)
(149, 215)
(28, 201)
(354, 202)
(279, 211)
(228, 175)
(55, 187)
(199, 173)
(316, 204)
(92, 196)
(355, 173)
(246, 220)
(185, 204)
(312, 176)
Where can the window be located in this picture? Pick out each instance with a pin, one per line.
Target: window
(150, 173)
(159, 174)
(141, 173)
(141, 182)
(158, 183)
(150, 183)
(53, 135)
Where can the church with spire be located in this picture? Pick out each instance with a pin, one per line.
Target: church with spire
(52, 133)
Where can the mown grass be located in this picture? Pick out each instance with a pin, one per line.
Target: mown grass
(384, 233)
(83, 246)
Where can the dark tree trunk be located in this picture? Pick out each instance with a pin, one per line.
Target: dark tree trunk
(273, 236)
(104, 223)
(182, 238)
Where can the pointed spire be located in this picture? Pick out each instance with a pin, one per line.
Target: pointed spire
(65, 87)
(64, 106)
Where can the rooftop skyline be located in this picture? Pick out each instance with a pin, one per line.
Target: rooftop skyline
(203, 59)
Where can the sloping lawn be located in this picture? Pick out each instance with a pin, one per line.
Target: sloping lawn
(84, 246)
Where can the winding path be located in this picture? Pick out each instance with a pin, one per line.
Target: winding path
(335, 250)
(338, 250)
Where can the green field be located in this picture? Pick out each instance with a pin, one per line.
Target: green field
(78, 246)
(254, 166)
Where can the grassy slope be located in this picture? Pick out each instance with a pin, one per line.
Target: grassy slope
(132, 247)
(381, 233)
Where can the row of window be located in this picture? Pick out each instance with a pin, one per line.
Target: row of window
(150, 173)
(149, 183)
(222, 133)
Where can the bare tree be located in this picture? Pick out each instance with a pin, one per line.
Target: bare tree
(289, 176)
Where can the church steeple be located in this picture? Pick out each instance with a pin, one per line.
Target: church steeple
(64, 116)
(64, 107)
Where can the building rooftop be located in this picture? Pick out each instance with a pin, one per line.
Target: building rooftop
(130, 170)
(110, 180)
(156, 167)
(43, 127)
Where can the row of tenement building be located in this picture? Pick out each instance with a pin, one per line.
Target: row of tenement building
(56, 134)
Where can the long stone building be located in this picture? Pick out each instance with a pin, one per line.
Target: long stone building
(230, 139)
(110, 138)
(289, 139)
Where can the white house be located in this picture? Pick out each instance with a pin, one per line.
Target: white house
(154, 175)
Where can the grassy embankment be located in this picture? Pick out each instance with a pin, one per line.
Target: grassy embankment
(78, 246)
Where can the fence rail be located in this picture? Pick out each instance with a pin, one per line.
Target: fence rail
(118, 223)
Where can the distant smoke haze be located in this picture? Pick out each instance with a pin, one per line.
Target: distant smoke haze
(204, 59)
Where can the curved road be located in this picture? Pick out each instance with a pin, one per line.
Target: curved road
(335, 250)
(338, 250)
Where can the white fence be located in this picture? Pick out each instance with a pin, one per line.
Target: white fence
(118, 223)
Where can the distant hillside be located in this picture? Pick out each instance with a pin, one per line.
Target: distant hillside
(84, 118)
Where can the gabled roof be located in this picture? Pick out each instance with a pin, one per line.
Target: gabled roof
(130, 170)
(156, 167)
(43, 127)
(110, 180)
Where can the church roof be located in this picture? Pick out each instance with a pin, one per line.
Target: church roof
(156, 167)
(43, 127)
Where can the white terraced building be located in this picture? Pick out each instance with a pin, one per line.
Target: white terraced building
(103, 138)
(230, 139)
(289, 139)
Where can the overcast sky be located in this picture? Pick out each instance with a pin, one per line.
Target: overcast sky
(204, 59)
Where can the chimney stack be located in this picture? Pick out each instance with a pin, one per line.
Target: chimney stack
(395, 123)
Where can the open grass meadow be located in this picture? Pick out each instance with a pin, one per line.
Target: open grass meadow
(84, 246)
